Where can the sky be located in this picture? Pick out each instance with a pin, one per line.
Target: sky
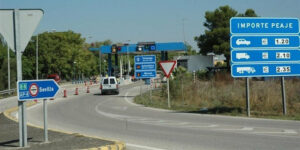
(142, 20)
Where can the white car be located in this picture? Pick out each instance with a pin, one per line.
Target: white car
(242, 42)
(109, 85)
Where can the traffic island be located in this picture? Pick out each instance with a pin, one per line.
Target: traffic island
(9, 138)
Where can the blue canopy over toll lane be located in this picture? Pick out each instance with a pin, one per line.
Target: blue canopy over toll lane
(265, 70)
(37, 89)
(273, 41)
(263, 56)
(132, 48)
(240, 25)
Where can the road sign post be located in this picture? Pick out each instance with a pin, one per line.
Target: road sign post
(264, 47)
(168, 67)
(38, 89)
(45, 120)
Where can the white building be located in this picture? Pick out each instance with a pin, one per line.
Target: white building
(198, 62)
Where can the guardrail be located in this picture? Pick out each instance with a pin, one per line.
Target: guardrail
(7, 91)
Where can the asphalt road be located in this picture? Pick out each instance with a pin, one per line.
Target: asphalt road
(141, 128)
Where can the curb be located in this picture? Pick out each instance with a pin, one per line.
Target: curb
(118, 145)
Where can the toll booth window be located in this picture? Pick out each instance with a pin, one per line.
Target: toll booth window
(112, 81)
(105, 81)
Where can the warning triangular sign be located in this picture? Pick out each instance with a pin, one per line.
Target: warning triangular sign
(20, 23)
(167, 67)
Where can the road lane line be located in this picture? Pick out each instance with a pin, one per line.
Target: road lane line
(144, 147)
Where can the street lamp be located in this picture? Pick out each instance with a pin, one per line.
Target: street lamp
(8, 67)
(128, 59)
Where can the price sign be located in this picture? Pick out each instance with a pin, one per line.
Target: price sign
(283, 69)
(283, 55)
(282, 41)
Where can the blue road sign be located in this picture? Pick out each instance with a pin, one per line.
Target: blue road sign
(263, 56)
(37, 89)
(263, 47)
(145, 59)
(145, 66)
(265, 70)
(255, 25)
(264, 41)
(145, 74)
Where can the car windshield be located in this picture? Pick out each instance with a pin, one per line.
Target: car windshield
(105, 81)
(112, 81)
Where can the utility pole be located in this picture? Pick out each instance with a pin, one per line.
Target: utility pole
(8, 67)
(37, 56)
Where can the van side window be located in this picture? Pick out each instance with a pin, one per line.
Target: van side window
(112, 81)
(105, 81)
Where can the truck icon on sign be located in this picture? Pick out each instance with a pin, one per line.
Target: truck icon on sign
(241, 70)
(242, 56)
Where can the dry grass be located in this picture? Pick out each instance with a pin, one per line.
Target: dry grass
(223, 94)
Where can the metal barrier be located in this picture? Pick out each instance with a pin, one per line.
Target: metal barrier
(7, 91)
(11, 91)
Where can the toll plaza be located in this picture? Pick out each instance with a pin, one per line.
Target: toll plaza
(138, 49)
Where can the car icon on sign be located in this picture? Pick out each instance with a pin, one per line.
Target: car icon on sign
(242, 42)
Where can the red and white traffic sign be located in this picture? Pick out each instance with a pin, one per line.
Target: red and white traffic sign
(33, 89)
(167, 67)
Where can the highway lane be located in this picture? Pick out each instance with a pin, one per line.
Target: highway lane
(116, 117)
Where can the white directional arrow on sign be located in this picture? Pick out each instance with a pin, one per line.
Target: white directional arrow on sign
(167, 67)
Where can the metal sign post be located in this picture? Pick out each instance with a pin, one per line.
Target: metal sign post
(168, 67)
(17, 29)
(45, 120)
(169, 103)
(248, 97)
(283, 96)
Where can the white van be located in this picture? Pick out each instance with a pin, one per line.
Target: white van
(109, 85)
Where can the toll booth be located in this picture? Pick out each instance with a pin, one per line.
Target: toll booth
(138, 49)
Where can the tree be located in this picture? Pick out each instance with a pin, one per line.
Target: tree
(57, 53)
(217, 35)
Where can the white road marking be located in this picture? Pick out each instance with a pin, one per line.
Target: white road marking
(203, 126)
(143, 147)
(285, 131)
(236, 129)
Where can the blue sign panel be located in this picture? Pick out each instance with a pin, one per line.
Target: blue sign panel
(37, 89)
(254, 25)
(263, 47)
(265, 41)
(264, 70)
(252, 56)
(144, 59)
(145, 66)
(145, 74)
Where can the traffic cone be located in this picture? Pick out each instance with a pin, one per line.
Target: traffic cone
(76, 91)
(88, 89)
(65, 93)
